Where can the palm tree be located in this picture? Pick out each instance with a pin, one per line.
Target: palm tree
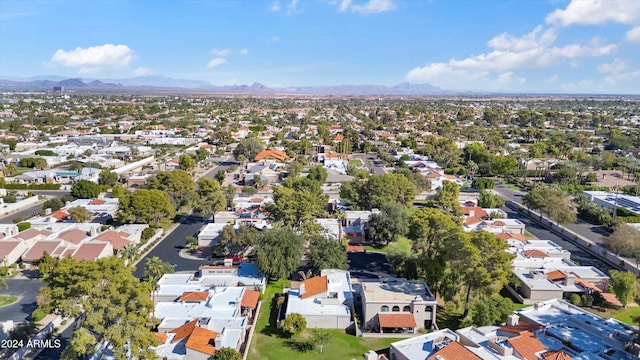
(129, 252)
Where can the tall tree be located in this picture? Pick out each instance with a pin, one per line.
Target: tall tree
(326, 253)
(625, 286)
(178, 184)
(249, 148)
(154, 268)
(186, 162)
(115, 304)
(107, 178)
(80, 214)
(435, 237)
(551, 201)
(485, 263)
(298, 205)
(146, 207)
(85, 189)
(211, 198)
(386, 226)
(447, 198)
(279, 251)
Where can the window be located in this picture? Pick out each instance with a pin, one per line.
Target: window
(428, 309)
(384, 308)
(396, 309)
(406, 309)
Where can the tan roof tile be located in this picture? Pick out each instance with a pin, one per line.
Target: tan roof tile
(250, 299)
(194, 296)
(396, 320)
(527, 345)
(454, 351)
(202, 340)
(314, 286)
(184, 330)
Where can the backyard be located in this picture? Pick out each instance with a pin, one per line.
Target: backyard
(270, 342)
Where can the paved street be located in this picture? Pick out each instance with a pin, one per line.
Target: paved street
(27, 290)
(589, 231)
(369, 265)
(168, 249)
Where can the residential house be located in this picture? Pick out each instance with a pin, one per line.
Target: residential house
(325, 301)
(396, 305)
(93, 250)
(11, 250)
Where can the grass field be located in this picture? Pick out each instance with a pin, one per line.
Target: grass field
(403, 244)
(627, 315)
(355, 162)
(270, 343)
(7, 299)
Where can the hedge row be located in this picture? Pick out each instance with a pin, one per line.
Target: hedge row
(32, 186)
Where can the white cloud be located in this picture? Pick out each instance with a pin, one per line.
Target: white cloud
(95, 58)
(633, 35)
(292, 7)
(221, 53)
(510, 53)
(216, 62)
(552, 79)
(142, 71)
(596, 12)
(272, 39)
(369, 7)
(244, 51)
(276, 6)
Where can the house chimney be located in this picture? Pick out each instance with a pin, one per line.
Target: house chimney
(217, 342)
(472, 213)
(228, 262)
(569, 280)
(302, 288)
(47, 211)
(512, 320)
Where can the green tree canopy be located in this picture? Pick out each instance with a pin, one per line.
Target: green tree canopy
(625, 286)
(297, 203)
(186, 162)
(326, 253)
(378, 190)
(279, 251)
(386, 226)
(211, 198)
(107, 177)
(178, 184)
(249, 148)
(85, 189)
(146, 207)
(80, 214)
(227, 354)
(115, 304)
(551, 201)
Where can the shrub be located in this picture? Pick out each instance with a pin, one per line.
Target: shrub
(4, 270)
(575, 299)
(24, 226)
(294, 324)
(38, 314)
(148, 233)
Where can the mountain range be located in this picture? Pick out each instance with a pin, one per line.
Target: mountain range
(161, 83)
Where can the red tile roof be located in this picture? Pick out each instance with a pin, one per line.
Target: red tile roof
(507, 236)
(118, 239)
(314, 286)
(194, 296)
(472, 220)
(38, 249)
(556, 355)
(97, 202)
(60, 215)
(162, 337)
(74, 236)
(520, 328)
(271, 153)
(477, 211)
(201, 340)
(527, 345)
(184, 330)
(535, 253)
(250, 299)
(89, 251)
(7, 246)
(556, 275)
(31, 233)
(454, 351)
(396, 320)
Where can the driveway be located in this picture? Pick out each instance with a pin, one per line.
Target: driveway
(168, 249)
(370, 265)
(26, 290)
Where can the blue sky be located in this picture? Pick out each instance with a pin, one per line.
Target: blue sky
(574, 46)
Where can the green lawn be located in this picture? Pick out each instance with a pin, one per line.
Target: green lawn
(627, 315)
(403, 244)
(7, 299)
(269, 342)
(355, 162)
